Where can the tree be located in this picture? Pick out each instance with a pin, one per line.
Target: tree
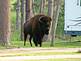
(17, 14)
(56, 10)
(4, 22)
(33, 5)
(26, 13)
(42, 6)
(29, 9)
(22, 17)
(50, 13)
(50, 8)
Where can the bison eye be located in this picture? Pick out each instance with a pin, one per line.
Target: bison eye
(47, 25)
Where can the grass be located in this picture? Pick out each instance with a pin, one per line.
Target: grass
(69, 44)
(17, 43)
(66, 59)
(45, 53)
(47, 44)
(71, 59)
(30, 53)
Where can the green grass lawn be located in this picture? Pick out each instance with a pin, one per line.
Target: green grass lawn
(47, 44)
(66, 59)
(15, 42)
(71, 59)
(28, 53)
(20, 44)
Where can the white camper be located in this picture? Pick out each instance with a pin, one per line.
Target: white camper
(72, 19)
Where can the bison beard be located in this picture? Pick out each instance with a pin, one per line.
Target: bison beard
(37, 27)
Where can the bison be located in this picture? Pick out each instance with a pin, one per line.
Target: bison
(37, 27)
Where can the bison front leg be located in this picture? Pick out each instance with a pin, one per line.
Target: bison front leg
(40, 42)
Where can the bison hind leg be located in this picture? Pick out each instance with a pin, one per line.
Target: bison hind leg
(25, 37)
(30, 40)
(35, 41)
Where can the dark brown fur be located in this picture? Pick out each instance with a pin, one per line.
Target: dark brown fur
(37, 29)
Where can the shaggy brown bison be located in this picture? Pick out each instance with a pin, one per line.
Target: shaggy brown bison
(37, 27)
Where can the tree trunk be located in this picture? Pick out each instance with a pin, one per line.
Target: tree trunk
(22, 17)
(50, 13)
(27, 6)
(4, 22)
(50, 8)
(29, 9)
(18, 14)
(42, 6)
(33, 9)
(56, 10)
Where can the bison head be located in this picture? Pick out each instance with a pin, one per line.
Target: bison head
(45, 22)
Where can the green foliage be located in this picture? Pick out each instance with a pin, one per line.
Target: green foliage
(13, 5)
(60, 25)
(36, 6)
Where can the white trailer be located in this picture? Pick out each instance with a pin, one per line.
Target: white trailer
(72, 18)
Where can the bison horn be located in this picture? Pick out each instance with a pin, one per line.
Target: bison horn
(41, 19)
